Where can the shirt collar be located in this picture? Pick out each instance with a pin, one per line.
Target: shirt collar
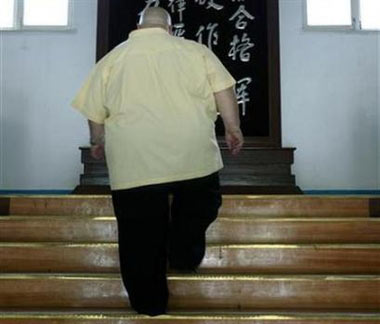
(147, 31)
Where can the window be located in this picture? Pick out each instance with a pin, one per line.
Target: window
(343, 14)
(370, 14)
(329, 13)
(7, 14)
(35, 14)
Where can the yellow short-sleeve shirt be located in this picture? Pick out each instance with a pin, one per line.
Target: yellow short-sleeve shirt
(155, 95)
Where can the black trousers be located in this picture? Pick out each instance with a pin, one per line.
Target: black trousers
(151, 231)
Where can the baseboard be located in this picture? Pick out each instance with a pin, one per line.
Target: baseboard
(306, 192)
(35, 192)
(341, 192)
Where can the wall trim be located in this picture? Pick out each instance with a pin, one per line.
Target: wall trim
(306, 192)
(341, 192)
(35, 192)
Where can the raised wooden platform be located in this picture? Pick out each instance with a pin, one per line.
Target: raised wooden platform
(254, 171)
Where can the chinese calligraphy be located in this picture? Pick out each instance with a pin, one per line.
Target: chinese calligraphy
(151, 3)
(179, 30)
(242, 93)
(178, 6)
(240, 47)
(241, 14)
(210, 4)
(213, 35)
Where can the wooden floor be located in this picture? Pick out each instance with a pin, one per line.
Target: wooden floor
(270, 259)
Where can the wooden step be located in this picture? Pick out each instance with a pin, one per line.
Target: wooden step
(258, 206)
(302, 206)
(124, 317)
(228, 230)
(294, 230)
(59, 228)
(56, 205)
(201, 292)
(259, 258)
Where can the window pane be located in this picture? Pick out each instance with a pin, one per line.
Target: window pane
(46, 12)
(7, 13)
(370, 14)
(329, 13)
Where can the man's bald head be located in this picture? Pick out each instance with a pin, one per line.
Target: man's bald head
(155, 17)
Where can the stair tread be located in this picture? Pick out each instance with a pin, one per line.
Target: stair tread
(234, 277)
(227, 196)
(253, 218)
(223, 245)
(189, 314)
(249, 205)
(274, 258)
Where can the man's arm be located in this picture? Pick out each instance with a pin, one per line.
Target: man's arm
(229, 110)
(96, 140)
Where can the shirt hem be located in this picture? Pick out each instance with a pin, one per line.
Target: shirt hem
(130, 185)
(87, 114)
(223, 86)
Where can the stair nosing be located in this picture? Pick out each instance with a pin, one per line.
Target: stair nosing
(107, 314)
(194, 277)
(313, 246)
(238, 218)
(226, 196)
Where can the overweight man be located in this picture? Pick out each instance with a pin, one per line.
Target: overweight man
(152, 103)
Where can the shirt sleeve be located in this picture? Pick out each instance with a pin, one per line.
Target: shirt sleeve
(218, 76)
(90, 99)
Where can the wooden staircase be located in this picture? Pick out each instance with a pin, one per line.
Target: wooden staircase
(270, 260)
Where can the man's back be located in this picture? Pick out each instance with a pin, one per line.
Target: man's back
(157, 102)
(158, 78)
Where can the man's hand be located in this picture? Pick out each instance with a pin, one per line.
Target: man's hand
(97, 151)
(229, 111)
(234, 140)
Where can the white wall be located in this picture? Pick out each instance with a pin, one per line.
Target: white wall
(330, 109)
(378, 106)
(40, 133)
(329, 103)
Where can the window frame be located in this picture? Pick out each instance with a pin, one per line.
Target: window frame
(356, 25)
(19, 19)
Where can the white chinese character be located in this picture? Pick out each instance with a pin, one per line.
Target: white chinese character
(242, 14)
(240, 48)
(213, 36)
(151, 3)
(210, 4)
(179, 30)
(180, 5)
(242, 93)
